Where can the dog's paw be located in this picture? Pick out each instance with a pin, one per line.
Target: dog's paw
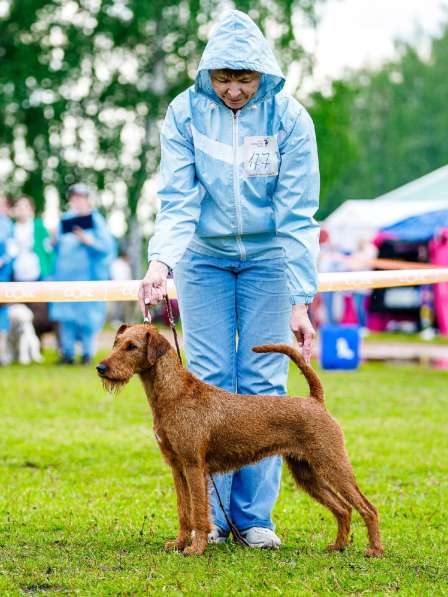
(179, 544)
(193, 550)
(374, 552)
(174, 546)
(335, 547)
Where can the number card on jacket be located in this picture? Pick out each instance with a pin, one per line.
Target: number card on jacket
(261, 156)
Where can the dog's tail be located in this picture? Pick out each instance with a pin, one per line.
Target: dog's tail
(316, 389)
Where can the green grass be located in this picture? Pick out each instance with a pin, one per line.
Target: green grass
(86, 502)
(383, 337)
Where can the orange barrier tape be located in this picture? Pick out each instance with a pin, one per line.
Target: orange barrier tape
(383, 279)
(66, 292)
(355, 263)
(109, 290)
(400, 264)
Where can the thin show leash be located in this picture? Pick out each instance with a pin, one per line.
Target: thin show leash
(147, 319)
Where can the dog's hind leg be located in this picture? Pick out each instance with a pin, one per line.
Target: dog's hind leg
(306, 478)
(369, 513)
(339, 474)
(183, 509)
(198, 486)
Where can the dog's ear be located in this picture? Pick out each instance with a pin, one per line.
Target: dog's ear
(156, 346)
(120, 330)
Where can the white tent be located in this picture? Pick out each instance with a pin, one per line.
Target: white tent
(359, 219)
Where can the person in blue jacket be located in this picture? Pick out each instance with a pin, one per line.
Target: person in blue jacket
(82, 254)
(239, 188)
(6, 228)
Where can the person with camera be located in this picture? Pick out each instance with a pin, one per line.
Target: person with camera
(84, 251)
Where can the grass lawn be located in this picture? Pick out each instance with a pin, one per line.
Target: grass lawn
(86, 502)
(383, 337)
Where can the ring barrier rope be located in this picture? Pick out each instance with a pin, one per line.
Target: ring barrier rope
(354, 263)
(126, 290)
(400, 264)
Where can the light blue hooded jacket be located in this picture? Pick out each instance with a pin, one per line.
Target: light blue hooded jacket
(245, 184)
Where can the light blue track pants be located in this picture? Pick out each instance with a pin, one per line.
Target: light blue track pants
(228, 306)
(70, 332)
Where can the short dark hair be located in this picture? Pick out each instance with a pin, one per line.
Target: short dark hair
(230, 72)
(79, 189)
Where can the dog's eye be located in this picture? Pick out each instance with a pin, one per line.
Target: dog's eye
(131, 346)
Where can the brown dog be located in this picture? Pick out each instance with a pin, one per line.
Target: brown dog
(202, 429)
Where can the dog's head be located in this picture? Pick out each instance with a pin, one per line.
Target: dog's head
(136, 349)
(20, 314)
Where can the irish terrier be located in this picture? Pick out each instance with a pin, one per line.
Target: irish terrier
(202, 429)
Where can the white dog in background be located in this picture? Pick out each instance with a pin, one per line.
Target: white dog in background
(23, 344)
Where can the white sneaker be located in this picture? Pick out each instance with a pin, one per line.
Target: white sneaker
(217, 535)
(261, 537)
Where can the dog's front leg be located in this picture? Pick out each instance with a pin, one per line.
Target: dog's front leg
(183, 508)
(197, 484)
(24, 357)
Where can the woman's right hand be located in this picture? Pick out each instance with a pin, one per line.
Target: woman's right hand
(153, 286)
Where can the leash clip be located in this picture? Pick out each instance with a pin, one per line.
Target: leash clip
(147, 317)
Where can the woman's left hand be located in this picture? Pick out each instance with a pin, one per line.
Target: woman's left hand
(86, 239)
(302, 329)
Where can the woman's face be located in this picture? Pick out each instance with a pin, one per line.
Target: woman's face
(237, 89)
(23, 210)
(80, 204)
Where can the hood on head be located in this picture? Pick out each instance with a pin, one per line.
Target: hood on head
(237, 43)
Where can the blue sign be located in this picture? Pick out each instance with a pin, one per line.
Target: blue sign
(339, 347)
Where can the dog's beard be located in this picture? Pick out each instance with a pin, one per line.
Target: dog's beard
(113, 386)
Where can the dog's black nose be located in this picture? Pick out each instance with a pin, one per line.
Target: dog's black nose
(101, 368)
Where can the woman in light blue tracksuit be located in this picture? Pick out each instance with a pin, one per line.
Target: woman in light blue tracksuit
(239, 188)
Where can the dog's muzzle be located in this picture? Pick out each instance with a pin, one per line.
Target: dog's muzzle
(101, 368)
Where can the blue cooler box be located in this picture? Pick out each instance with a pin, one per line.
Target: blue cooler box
(339, 347)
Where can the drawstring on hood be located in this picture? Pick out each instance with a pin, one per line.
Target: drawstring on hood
(238, 44)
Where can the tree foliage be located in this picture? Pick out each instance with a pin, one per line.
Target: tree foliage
(84, 84)
(378, 130)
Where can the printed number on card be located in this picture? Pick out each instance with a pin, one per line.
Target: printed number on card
(260, 156)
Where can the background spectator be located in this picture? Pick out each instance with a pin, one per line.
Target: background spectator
(361, 260)
(32, 256)
(5, 269)
(31, 246)
(84, 251)
(330, 260)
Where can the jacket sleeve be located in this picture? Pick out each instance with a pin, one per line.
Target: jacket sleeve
(103, 250)
(296, 200)
(102, 240)
(180, 195)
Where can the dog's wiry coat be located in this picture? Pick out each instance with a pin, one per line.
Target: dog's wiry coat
(202, 429)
